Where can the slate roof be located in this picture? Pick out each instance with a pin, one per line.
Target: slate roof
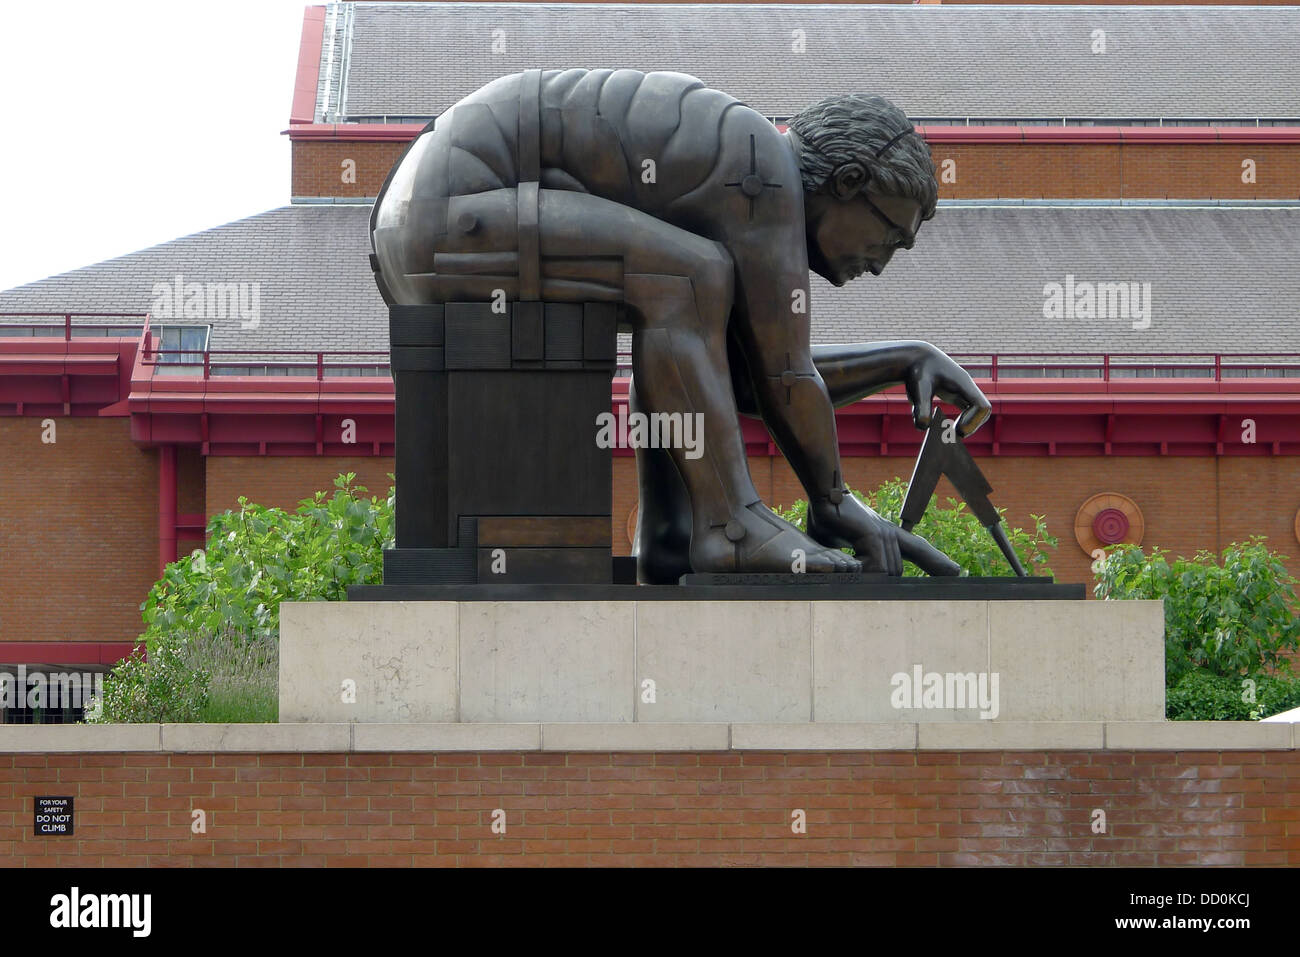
(316, 290)
(932, 60)
(1222, 279)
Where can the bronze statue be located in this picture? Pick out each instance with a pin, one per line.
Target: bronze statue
(703, 220)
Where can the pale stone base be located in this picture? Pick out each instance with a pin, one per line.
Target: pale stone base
(721, 662)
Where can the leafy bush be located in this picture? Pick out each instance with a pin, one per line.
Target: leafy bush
(1202, 696)
(1232, 617)
(258, 557)
(955, 531)
(212, 622)
(161, 688)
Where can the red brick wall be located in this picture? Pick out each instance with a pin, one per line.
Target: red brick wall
(191, 481)
(1100, 170)
(78, 530)
(670, 809)
(318, 167)
(983, 170)
(1109, 170)
(284, 481)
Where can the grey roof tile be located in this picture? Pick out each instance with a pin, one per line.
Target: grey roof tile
(1222, 279)
(934, 60)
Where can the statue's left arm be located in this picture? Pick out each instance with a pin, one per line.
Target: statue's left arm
(854, 371)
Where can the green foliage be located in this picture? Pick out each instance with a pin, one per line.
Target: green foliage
(1202, 696)
(245, 677)
(954, 531)
(212, 622)
(1231, 616)
(258, 557)
(162, 688)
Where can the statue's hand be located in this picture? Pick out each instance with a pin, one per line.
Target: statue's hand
(934, 374)
(879, 545)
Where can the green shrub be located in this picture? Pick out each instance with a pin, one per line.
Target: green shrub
(258, 557)
(212, 622)
(1202, 696)
(1231, 616)
(955, 531)
(161, 688)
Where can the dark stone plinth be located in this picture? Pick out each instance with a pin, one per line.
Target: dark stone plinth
(814, 587)
(496, 431)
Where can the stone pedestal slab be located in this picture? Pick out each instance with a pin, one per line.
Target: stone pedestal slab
(716, 662)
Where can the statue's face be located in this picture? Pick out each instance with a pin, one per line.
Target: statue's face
(847, 237)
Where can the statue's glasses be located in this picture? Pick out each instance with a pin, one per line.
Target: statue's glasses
(896, 236)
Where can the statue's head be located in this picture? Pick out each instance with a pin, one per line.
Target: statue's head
(868, 183)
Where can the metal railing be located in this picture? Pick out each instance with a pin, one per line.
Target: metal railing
(781, 119)
(1106, 367)
(322, 364)
(261, 363)
(67, 328)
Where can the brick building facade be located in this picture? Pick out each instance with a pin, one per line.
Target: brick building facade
(147, 452)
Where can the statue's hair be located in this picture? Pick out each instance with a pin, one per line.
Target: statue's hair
(855, 128)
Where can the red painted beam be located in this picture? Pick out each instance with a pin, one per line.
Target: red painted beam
(354, 132)
(303, 109)
(166, 507)
(64, 652)
(1022, 135)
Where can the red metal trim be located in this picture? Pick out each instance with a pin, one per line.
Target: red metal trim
(166, 507)
(1173, 135)
(1024, 135)
(1182, 135)
(64, 652)
(350, 132)
(972, 134)
(60, 375)
(303, 108)
(1032, 135)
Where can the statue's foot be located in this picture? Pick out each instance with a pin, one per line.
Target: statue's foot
(662, 559)
(757, 540)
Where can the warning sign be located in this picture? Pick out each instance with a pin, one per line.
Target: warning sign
(53, 816)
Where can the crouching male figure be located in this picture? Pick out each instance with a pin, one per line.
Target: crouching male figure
(704, 220)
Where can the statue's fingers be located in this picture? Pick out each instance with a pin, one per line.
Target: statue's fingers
(925, 556)
(872, 553)
(975, 415)
(974, 405)
(920, 391)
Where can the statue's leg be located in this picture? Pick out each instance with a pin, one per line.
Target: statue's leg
(662, 542)
(677, 289)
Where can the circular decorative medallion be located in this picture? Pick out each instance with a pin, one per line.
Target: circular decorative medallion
(1108, 519)
(1110, 525)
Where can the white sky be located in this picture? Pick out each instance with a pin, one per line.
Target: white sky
(130, 123)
